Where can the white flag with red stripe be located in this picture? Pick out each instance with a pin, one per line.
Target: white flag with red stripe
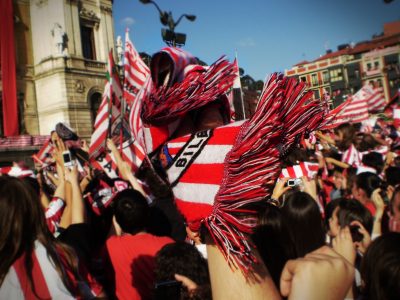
(375, 99)
(136, 74)
(307, 169)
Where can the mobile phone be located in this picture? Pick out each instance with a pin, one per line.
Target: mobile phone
(68, 162)
(168, 290)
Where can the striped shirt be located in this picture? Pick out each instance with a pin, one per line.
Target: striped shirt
(47, 281)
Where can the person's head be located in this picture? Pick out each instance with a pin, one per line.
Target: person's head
(305, 222)
(33, 182)
(183, 259)
(392, 175)
(363, 186)
(22, 219)
(273, 241)
(338, 178)
(348, 211)
(131, 211)
(22, 223)
(380, 269)
(344, 136)
(367, 143)
(374, 160)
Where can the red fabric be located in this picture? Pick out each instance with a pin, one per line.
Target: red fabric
(41, 288)
(371, 207)
(54, 213)
(8, 74)
(133, 260)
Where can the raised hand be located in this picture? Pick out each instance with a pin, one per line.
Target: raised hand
(343, 244)
(366, 241)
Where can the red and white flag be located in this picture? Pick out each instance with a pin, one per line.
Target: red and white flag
(43, 157)
(137, 74)
(353, 110)
(304, 168)
(375, 99)
(112, 122)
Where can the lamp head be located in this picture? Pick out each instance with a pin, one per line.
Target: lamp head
(190, 17)
(145, 1)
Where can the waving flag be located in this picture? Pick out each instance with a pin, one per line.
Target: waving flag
(136, 74)
(43, 157)
(375, 99)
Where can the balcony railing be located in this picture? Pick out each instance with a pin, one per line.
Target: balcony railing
(95, 64)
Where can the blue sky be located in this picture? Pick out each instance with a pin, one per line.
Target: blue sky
(269, 35)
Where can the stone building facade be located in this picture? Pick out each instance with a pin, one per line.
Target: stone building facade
(61, 52)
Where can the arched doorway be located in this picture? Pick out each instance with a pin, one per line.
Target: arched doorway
(94, 104)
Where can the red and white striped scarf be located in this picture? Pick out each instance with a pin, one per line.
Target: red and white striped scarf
(304, 168)
(189, 87)
(217, 175)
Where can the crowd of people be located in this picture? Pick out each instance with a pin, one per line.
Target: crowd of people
(331, 234)
(328, 229)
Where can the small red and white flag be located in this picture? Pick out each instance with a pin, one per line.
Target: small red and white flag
(307, 169)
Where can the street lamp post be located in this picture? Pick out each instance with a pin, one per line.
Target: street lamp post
(169, 36)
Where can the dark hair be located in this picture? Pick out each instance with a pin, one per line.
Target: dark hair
(348, 132)
(131, 211)
(392, 176)
(374, 160)
(183, 259)
(329, 209)
(352, 210)
(367, 143)
(305, 223)
(33, 183)
(22, 222)
(380, 269)
(273, 241)
(368, 182)
(294, 157)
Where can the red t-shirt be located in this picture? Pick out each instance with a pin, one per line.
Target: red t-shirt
(133, 260)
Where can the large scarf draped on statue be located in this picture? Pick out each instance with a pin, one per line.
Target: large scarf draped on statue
(219, 176)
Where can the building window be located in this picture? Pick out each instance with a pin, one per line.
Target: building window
(357, 74)
(316, 94)
(336, 75)
(369, 66)
(88, 45)
(376, 65)
(314, 79)
(379, 83)
(325, 76)
(303, 78)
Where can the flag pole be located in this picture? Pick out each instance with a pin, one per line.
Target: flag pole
(237, 84)
(110, 93)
